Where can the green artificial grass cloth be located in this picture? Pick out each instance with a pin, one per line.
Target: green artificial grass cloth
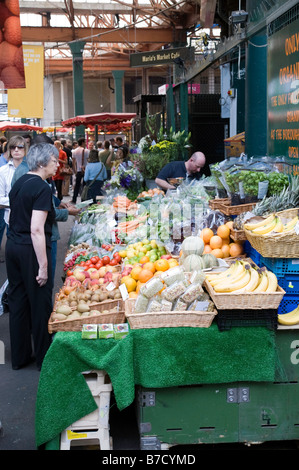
(152, 358)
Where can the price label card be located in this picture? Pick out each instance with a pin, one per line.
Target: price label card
(111, 286)
(124, 291)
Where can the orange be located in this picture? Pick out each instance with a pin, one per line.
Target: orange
(207, 249)
(226, 241)
(19, 60)
(225, 250)
(12, 78)
(230, 224)
(133, 295)
(130, 284)
(217, 252)
(172, 263)
(235, 249)
(206, 234)
(161, 264)
(139, 285)
(149, 265)
(135, 272)
(145, 275)
(12, 30)
(216, 242)
(223, 231)
(8, 54)
(144, 259)
(13, 6)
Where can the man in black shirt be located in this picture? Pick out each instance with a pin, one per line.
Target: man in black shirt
(178, 169)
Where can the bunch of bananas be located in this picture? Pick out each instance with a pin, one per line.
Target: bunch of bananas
(244, 277)
(291, 318)
(273, 223)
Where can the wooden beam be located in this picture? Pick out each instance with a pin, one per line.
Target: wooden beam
(56, 66)
(97, 35)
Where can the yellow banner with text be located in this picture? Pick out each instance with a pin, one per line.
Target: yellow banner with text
(29, 102)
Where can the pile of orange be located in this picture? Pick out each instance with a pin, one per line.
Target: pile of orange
(11, 50)
(141, 273)
(220, 243)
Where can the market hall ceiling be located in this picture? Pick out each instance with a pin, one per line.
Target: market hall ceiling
(113, 29)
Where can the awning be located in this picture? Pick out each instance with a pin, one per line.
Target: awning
(18, 126)
(100, 119)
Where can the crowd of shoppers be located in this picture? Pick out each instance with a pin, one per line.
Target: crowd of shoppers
(33, 183)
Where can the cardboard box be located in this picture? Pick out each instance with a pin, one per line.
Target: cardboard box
(234, 146)
(106, 330)
(121, 330)
(89, 332)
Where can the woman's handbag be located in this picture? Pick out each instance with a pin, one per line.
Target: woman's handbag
(65, 171)
(85, 189)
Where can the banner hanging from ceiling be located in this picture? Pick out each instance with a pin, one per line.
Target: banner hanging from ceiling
(12, 74)
(29, 102)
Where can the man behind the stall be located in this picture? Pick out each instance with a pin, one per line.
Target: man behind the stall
(180, 169)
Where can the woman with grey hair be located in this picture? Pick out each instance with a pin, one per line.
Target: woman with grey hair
(28, 257)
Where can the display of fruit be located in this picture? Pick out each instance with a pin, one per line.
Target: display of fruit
(271, 225)
(290, 318)
(150, 193)
(243, 276)
(219, 243)
(143, 251)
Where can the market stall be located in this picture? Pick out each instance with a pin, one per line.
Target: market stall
(18, 126)
(161, 293)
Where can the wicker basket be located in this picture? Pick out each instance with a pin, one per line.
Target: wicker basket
(238, 235)
(243, 301)
(116, 315)
(236, 210)
(172, 319)
(278, 245)
(214, 203)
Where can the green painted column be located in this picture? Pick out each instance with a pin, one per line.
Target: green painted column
(118, 76)
(256, 96)
(77, 52)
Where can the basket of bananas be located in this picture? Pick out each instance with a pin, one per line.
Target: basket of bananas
(243, 285)
(275, 236)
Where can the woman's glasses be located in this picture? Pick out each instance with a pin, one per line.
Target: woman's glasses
(13, 147)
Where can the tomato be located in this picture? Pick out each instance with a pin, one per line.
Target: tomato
(69, 273)
(82, 263)
(113, 262)
(106, 260)
(99, 264)
(116, 255)
(94, 259)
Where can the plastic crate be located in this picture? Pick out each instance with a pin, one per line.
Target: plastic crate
(288, 303)
(227, 319)
(281, 266)
(252, 253)
(290, 283)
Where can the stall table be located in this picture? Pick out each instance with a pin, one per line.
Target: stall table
(195, 365)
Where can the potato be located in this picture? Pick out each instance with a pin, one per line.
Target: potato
(64, 309)
(58, 317)
(83, 307)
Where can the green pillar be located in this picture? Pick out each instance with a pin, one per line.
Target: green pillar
(118, 81)
(77, 52)
(256, 96)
